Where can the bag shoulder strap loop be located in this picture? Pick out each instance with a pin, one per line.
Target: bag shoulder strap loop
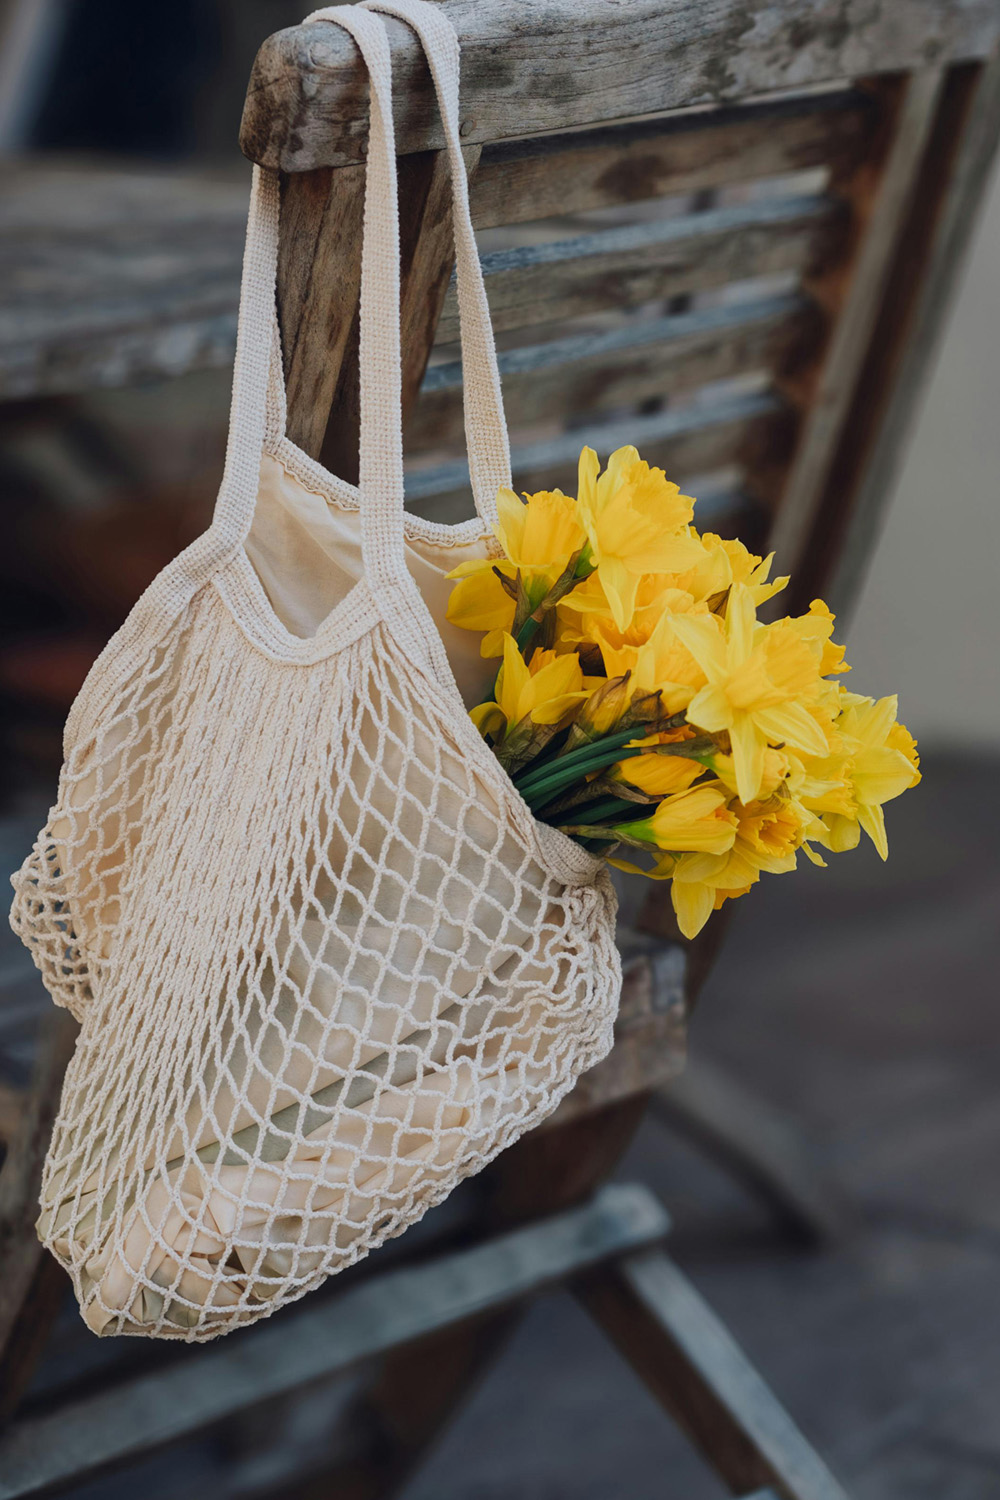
(485, 423)
(381, 465)
(257, 412)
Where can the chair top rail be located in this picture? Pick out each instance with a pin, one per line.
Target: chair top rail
(528, 69)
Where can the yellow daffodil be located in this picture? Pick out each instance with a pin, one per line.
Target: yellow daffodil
(697, 820)
(759, 681)
(882, 763)
(740, 745)
(540, 532)
(768, 834)
(658, 775)
(725, 562)
(538, 535)
(776, 772)
(661, 662)
(543, 691)
(636, 522)
(817, 626)
(479, 601)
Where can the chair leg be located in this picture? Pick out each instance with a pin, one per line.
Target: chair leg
(759, 1146)
(690, 1362)
(398, 1418)
(420, 1389)
(32, 1285)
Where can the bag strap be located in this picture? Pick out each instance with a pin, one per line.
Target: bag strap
(485, 423)
(381, 460)
(257, 410)
(251, 409)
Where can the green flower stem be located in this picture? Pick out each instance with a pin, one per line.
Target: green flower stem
(606, 808)
(527, 634)
(596, 749)
(548, 787)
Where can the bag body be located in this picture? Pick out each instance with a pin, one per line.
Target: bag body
(326, 962)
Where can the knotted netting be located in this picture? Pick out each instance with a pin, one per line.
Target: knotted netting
(322, 976)
(325, 961)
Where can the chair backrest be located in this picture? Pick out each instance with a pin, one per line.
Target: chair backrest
(726, 238)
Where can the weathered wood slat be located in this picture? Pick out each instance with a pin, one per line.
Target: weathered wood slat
(932, 250)
(580, 62)
(850, 340)
(600, 371)
(691, 440)
(367, 1320)
(328, 424)
(689, 1360)
(590, 169)
(108, 276)
(650, 1036)
(638, 263)
(318, 285)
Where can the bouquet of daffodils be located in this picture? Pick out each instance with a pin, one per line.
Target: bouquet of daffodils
(642, 708)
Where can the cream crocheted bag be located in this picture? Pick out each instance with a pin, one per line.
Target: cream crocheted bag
(325, 961)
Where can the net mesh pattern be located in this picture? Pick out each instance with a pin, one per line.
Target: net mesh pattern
(323, 968)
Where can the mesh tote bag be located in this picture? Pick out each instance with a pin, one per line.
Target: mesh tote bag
(326, 963)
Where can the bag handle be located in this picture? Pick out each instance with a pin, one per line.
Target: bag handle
(381, 460)
(485, 423)
(257, 410)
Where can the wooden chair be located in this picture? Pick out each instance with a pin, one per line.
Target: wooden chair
(743, 227)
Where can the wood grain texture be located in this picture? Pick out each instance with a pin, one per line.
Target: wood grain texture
(365, 1321)
(687, 1358)
(110, 276)
(590, 169)
(318, 286)
(650, 1036)
(933, 245)
(879, 212)
(428, 256)
(530, 68)
(689, 440)
(638, 263)
(319, 283)
(644, 359)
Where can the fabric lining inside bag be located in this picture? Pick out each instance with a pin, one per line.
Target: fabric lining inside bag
(305, 546)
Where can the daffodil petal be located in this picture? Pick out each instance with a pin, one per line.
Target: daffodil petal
(791, 724)
(708, 709)
(620, 586)
(741, 617)
(488, 718)
(749, 746)
(701, 635)
(872, 820)
(693, 905)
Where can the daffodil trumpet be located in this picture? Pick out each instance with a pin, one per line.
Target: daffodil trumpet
(641, 703)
